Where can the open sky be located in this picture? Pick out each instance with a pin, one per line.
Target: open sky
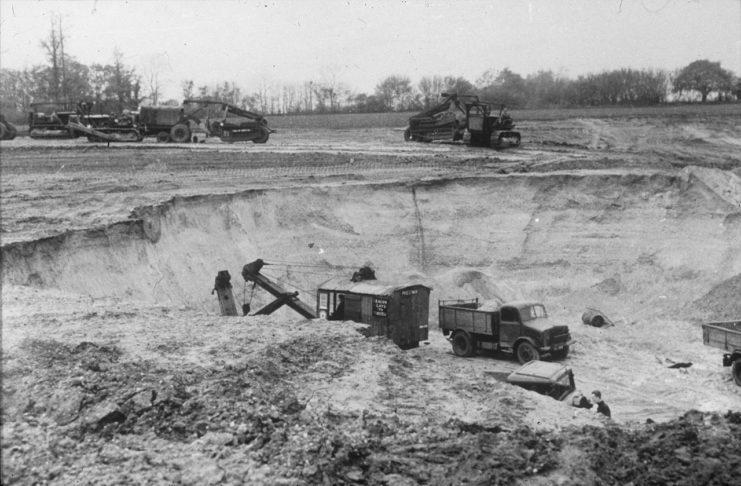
(251, 42)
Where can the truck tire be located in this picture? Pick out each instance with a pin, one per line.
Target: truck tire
(561, 353)
(462, 344)
(180, 133)
(408, 135)
(163, 137)
(263, 136)
(736, 371)
(526, 352)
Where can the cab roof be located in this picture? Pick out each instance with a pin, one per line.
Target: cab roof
(538, 372)
(368, 287)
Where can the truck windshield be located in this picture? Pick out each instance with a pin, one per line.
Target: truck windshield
(533, 312)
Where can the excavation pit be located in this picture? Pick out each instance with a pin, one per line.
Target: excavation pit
(113, 343)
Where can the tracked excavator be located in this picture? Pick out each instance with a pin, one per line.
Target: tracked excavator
(467, 119)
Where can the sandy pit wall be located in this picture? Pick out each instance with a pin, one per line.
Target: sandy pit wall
(633, 244)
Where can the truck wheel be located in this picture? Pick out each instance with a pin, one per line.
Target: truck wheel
(163, 137)
(408, 135)
(561, 353)
(180, 133)
(526, 352)
(462, 345)
(263, 136)
(736, 371)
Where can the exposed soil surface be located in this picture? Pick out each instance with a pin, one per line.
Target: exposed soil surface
(118, 369)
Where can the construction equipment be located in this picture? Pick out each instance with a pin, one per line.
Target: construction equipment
(101, 127)
(7, 129)
(229, 123)
(69, 120)
(251, 273)
(206, 118)
(521, 328)
(223, 289)
(51, 120)
(464, 118)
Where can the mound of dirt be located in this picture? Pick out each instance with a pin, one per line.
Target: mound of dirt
(722, 303)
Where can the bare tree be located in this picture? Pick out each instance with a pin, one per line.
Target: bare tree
(152, 76)
(187, 86)
(54, 51)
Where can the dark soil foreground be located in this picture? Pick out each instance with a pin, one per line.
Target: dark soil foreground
(88, 414)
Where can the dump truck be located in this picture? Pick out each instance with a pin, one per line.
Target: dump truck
(520, 328)
(467, 119)
(726, 335)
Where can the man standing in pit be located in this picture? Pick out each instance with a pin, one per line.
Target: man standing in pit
(601, 405)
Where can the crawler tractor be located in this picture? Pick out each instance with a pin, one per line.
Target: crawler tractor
(69, 120)
(464, 118)
(51, 120)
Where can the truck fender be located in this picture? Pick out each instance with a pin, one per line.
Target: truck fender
(523, 339)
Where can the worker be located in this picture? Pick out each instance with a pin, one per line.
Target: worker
(339, 312)
(601, 405)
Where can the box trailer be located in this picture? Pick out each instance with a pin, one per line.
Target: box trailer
(397, 311)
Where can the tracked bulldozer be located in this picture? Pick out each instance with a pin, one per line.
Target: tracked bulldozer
(467, 119)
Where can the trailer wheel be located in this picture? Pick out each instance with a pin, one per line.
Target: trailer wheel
(736, 371)
(264, 135)
(180, 133)
(462, 345)
(163, 137)
(526, 352)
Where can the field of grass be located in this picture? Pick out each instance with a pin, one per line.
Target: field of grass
(396, 120)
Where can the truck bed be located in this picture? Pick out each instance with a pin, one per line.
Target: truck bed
(722, 335)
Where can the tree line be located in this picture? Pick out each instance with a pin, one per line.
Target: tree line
(115, 87)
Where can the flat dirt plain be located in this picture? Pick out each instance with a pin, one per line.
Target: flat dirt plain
(118, 369)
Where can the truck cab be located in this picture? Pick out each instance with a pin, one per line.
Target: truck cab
(521, 328)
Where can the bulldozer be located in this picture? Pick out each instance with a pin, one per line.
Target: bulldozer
(467, 119)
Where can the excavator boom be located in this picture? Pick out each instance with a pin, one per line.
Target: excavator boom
(251, 273)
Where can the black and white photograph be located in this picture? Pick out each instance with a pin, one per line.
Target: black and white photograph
(380, 242)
